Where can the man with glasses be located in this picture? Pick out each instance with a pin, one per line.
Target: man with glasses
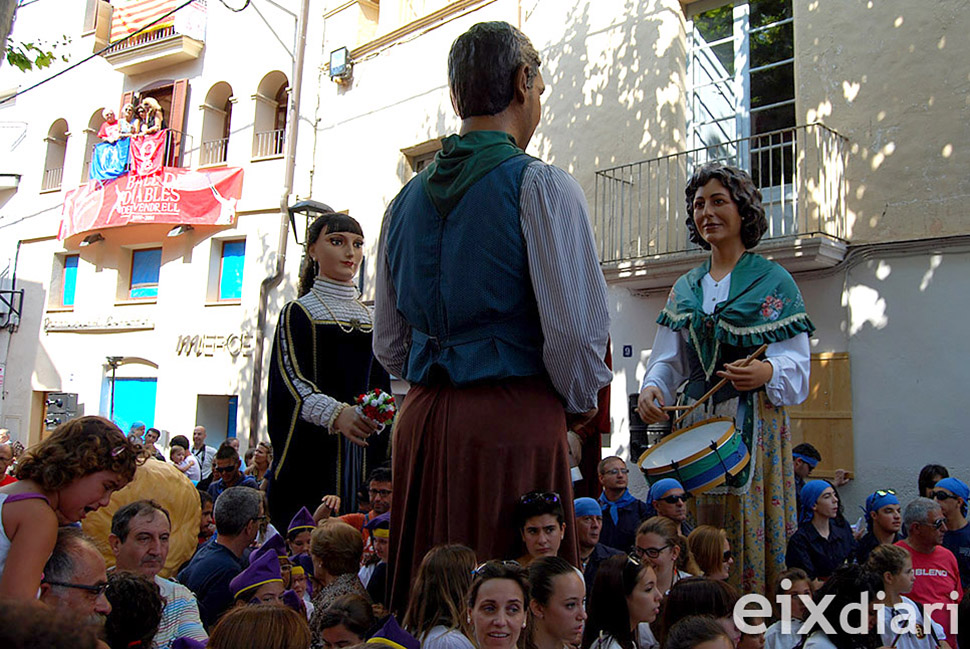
(589, 526)
(668, 497)
(75, 578)
(225, 467)
(622, 513)
(238, 513)
(953, 494)
(935, 567)
(883, 521)
(379, 490)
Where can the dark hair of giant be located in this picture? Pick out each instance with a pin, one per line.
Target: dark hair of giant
(607, 608)
(439, 588)
(847, 585)
(121, 521)
(136, 610)
(693, 630)
(482, 66)
(744, 193)
(696, 596)
(929, 475)
(325, 224)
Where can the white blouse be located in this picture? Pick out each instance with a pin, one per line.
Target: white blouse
(790, 359)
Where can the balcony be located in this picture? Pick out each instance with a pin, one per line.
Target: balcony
(153, 50)
(640, 208)
(214, 152)
(269, 144)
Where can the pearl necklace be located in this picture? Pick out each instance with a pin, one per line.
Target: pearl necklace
(355, 324)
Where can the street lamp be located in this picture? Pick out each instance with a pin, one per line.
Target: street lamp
(113, 363)
(310, 210)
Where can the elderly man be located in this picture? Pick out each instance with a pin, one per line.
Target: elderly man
(238, 512)
(589, 525)
(204, 454)
(6, 459)
(75, 578)
(500, 330)
(937, 575)
(139, 541)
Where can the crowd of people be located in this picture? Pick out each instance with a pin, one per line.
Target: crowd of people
(470, 533)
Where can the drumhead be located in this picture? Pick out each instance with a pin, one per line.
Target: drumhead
(682, 445)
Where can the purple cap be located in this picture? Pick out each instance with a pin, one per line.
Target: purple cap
(394, 636)
(302, 520)
(273, 545)
(263, 570)
(294, 601)
(188, 643)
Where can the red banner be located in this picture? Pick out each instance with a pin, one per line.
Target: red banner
(173, 196)
(147, 153)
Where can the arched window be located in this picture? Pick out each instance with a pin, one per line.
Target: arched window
(90, 141)
(216, 118)
(270, 120)
(54, 162)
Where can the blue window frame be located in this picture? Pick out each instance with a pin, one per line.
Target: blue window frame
(69, 281)
(231, 270)
(145, 265)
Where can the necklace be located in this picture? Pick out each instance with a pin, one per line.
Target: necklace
(354, 324)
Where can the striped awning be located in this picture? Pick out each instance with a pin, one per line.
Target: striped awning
(129, 16)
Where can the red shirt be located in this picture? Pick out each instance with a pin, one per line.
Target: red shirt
(937, 575)
(7, 479)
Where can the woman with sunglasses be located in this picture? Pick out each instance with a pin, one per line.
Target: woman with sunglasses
(883, 520)
(541, 522)
(715, 317)
(823, 540)
(624, 596)
(659, 544)
(711, 550)
(497, 603)
(557, 611)
(953, 494)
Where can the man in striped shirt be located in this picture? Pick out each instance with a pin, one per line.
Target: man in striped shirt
(139, 539)
(491, 303)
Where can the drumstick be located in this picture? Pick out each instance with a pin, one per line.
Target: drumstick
(720, 384)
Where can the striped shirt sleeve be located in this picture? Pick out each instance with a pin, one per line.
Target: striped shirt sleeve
(392, 334)
(569, 286)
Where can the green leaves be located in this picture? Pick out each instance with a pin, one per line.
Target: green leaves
(27, 56)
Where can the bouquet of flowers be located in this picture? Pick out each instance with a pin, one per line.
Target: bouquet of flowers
(378, 406)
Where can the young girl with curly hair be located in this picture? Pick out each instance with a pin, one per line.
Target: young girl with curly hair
(62, 479)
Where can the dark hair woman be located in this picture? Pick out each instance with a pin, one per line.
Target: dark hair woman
(624, 595)
(321, 361)
(557, 614)
(715, 316)
(929, 475)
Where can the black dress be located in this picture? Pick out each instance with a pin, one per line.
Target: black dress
(321, 357)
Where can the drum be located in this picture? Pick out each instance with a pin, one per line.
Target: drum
(699, 456)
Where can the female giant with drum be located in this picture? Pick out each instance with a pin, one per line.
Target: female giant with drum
(715, 316)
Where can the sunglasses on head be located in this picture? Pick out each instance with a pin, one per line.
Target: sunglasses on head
(673, 500)
(508, 564)
(885, 492)
(546, 497)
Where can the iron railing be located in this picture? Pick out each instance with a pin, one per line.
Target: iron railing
(269, 143)
(214, 152)
(640, 208)
(143, 39)
(52, 179)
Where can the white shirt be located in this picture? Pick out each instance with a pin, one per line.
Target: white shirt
(204, 455)
(908, 619)
(776, 638)
(790, 359)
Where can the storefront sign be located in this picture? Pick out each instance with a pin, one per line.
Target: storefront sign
(207, 345)
(96, 325)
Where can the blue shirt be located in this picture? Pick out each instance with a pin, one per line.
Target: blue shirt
(219, 485)
(208, 575)
(622, 534)
(817, 556)
(958, 542)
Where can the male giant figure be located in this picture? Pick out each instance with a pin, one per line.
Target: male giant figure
(491, 303)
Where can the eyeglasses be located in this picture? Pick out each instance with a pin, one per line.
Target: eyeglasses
(942, 495)
(727, 555)
(95, 589)
(624, 471)
(937, 524)
(383, 493)
(533, 497)
(885, 492)
(653, 553)
(673, 500)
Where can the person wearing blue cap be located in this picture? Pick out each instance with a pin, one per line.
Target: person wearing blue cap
(668, 498)
(953, 495)
(260, 583)
(622, 513)
(823, 540)
(589, 525)
(884, 519)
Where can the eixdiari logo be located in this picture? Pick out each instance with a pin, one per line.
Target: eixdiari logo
(905, 619)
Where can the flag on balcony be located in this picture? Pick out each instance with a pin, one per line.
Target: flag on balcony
(148, 153)
(110, 160)
(128, 16)
(174, 196)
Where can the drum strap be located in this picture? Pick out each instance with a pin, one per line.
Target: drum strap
(720, 459)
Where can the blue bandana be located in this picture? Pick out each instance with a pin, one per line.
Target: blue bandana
(809, 496)
(660, 487)
(875, 502)
(810, 461)
(615, 505)
(958, 488)
(587, 507)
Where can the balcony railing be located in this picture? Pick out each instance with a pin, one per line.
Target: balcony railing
(143, 38)
(52, 179)
(640, 208)
(214, 152)
(268, 144)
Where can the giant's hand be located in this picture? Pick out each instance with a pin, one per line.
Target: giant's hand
(649, 404)
(749, 377)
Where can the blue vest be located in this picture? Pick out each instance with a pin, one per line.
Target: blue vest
(462, 282)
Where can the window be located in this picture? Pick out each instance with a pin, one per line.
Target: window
(216, 118)
(421, 155)
(56, 151)
(69, 280)
(269, 125)
(145, 265)
(231, 271)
